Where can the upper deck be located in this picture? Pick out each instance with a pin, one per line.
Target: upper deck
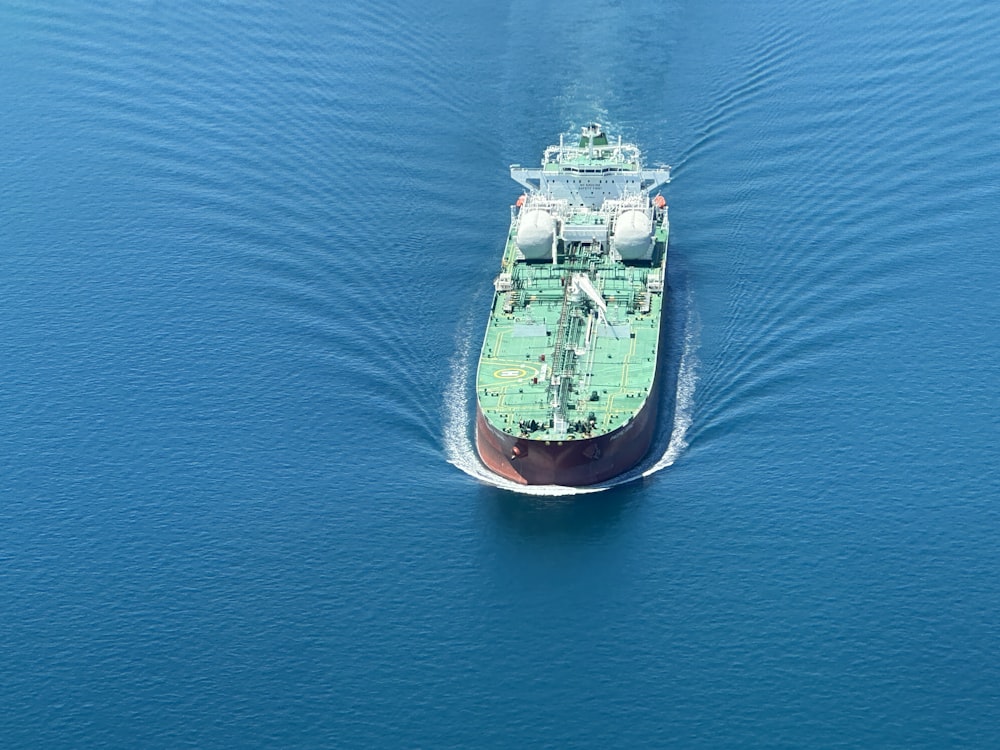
(572, 343)
(558, 368)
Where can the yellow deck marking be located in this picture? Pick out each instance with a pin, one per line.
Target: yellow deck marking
(510, 373)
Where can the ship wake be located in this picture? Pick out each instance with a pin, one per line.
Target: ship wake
(458, 408)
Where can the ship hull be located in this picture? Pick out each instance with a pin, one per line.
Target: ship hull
(569, 463)
(567, 386)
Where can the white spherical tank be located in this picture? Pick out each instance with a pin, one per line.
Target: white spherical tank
(535, 232)
(633, 234)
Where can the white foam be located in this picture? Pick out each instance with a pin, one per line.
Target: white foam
(458, 421)
(687, 379)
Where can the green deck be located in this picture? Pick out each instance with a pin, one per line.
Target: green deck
(534, 332)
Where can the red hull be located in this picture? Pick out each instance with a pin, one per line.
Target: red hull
(570, 463)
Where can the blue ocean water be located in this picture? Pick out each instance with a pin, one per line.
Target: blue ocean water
(246, 252)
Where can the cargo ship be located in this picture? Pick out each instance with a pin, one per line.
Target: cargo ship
(568, 376)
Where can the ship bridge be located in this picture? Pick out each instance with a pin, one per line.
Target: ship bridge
(591, 171)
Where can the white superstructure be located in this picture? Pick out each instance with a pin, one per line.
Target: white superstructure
(594, 192)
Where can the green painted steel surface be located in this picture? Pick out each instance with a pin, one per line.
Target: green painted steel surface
(538, 376)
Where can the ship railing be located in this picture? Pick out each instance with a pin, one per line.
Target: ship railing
(614, 206)
(617, 153)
